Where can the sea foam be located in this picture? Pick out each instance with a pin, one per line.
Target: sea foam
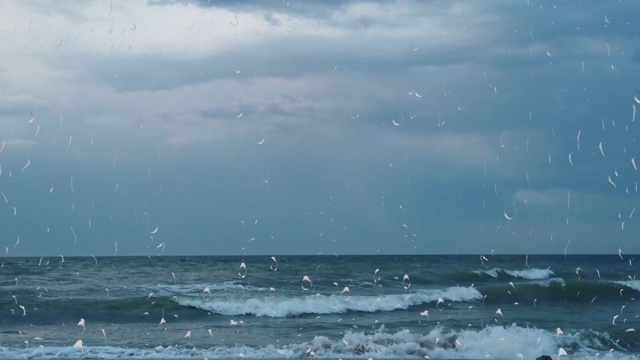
(633, 284)
(494, 342)
(331, 304)
(527, 274)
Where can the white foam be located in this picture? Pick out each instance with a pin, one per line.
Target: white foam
(549, 282)
(492, 272)
(528, 274)
(495, 342)
(332, 304)
(633, 284)
(531, 274)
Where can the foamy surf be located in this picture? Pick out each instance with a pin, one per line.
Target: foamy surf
(331, 304)
(550, 282)
(494, 342)
(527, 274)
(633, 284)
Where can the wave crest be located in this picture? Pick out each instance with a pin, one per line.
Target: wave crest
(527, 274)
(332, 304)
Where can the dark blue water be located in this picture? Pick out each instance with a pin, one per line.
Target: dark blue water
(440, 307)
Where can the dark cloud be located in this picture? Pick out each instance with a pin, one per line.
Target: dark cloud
(320, 9)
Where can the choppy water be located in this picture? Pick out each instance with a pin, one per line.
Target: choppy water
(440, 307)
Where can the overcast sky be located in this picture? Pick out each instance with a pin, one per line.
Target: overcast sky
(304, 127)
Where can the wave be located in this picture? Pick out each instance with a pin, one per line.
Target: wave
(199, 288)
(502, 274)
(633, 284)
(496, 342)
(332, 304)
(559, 290)
(527, 274)
(56, 310)
(531, 274)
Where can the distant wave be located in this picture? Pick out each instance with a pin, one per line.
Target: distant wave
(332, 304)
(490, 275)
(176, 289)
(527, 274)
(495, 342)
(559, 290)
(550, 282)
(531, 274)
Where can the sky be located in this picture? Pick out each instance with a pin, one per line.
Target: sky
(319, 127)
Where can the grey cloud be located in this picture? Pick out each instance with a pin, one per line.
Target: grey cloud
(486, 119)
(319, 9)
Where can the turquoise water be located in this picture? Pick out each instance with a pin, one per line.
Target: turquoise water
(446, 307)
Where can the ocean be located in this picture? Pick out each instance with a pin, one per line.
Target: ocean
(338, 307)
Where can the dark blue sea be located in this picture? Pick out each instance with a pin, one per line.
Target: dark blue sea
(391, 307)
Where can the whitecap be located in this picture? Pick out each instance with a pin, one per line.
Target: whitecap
(328, 304)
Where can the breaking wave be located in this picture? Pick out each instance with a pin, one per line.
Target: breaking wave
(331, 304)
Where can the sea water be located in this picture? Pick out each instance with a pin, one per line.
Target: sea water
(394, 307)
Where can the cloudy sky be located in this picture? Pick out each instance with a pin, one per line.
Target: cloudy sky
(303, 127)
